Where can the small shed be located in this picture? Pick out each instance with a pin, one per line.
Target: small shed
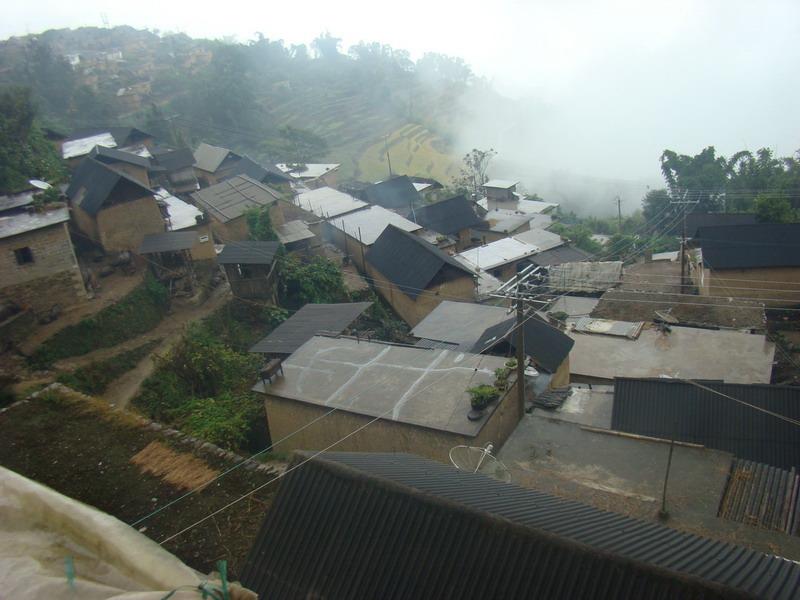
(169, 255)
(250, 267)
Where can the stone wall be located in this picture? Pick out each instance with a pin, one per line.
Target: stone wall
(52, 278)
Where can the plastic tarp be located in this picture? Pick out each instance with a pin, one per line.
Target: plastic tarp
(57, 548)
(585, 276)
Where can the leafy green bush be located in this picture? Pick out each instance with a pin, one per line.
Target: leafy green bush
(137, 313)
(319, 281)
(95, 377)
(223, 420)
(483, 395)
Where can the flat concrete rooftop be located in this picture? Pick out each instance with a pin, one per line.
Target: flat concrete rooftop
(418, 386)
(689, 353)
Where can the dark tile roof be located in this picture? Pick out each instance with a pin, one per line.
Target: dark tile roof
(448, 216)
(263, 174)
(397, 193)
(229, 199)
(169, 241)
(546, 344)
(308, 322)
(408, 261)
(112, 155)
(400, 526)
(761, 495)
(248, 253)
(559, 256)
(664, 408)
(94, 183)
(175, 160)
(750, 246)
(694, 221)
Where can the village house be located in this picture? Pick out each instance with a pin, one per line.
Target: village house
(419, 395)
(314, 207)
(266, 174)
(134, 166)
(559, 255)
(759, 262)
(499, 224)
(250, 268)
(174, 169)
(399, 522)
(311, 320)
(213, 163)
(454, 217)
(502, 194)
(112, 209)
(38, 267)
(130, 139)
(227, 202)
(296, 236)
(397, 194)
(182, 216)
(311, 175)
(485, 329)
(426, 187)
(414, 276)
(500, 258)
(169, 257)
(355, 232)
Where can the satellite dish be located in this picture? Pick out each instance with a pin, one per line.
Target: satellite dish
(473, 459)
(39, 184)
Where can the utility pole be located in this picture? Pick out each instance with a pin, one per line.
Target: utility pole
(619, 212)
(683, 204)
(520, 354)
(663, 513)
(388, 158)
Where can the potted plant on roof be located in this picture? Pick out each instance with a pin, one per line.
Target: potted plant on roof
(480, 397)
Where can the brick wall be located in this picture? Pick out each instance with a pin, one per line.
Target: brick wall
(52, 278)
(123, 226)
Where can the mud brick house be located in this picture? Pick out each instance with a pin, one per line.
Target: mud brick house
(134, 166)
(250, 267)
(415, 276)
(213, 163)
(227, 202)
(112, 209)
(174, 169)
(38, 267)
(454, 217)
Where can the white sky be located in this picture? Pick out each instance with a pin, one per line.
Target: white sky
(609, 84)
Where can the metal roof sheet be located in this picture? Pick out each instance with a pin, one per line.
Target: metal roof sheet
(307, 322)
(502, 184)
(326, 202)
(182, 215)
(169, 241)
(499, 253)
(409, 262)
(421, 387)
(209, 158)
(663, 408)
(501, 220)
(112, 155)
(348, 525)
(248, 253)
(230, 199)
(23, 222)
(293, 231)
(13, 201)
(584, 276)
(627, 329)
(541, 238)
(367, 224)
(459, 323)
(307, 170)
(82, 146)
(560, 255)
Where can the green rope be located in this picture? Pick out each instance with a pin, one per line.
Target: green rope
(69, 570)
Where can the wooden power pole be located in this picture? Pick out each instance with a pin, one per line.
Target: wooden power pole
(520, 355)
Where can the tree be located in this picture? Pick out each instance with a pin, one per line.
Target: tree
(259, 224)
(326, 46)
(701, 178)
(319, 281)
(659, 211)
(473, 173)
(774, 209)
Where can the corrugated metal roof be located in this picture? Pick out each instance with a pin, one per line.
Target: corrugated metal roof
(502, 184)
(112, 155)
(248, 253)
(498, 253)
(182, 215)
(79, 147)
(665, 408)
(399, 526)
(326, 202)
(459, 324)
(15, 224)
(209, 158)
(559, 256)
(764, 496)
(367, 224)
(293, 231)
(229, 199)
(500, 220)
(307, 170)
(541, 238)
(410, 262)
(169, 241)
(307, 322)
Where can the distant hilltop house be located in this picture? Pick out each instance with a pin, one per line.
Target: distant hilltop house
(111, 208)
(757, 261)
(227, 202)
(414, 276)
(38, 267)
(311, 175)
(418, 395)
(454, 217)
(80, 143)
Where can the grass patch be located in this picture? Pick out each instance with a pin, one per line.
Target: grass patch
(94, 378)
(137, 313)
